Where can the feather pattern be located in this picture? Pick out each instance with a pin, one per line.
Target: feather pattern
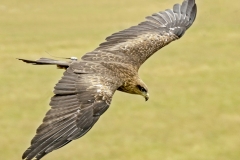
(76, 106)
(136, 44)
(85, 91)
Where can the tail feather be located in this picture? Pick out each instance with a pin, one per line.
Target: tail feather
(48, 61)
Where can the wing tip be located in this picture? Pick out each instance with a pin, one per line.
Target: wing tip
(188, 9)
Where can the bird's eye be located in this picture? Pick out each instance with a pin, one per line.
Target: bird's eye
(141, 88)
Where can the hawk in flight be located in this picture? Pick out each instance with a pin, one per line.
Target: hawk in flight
(85, 91)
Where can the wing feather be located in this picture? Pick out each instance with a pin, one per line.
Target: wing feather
(79, 101)
(139, 42)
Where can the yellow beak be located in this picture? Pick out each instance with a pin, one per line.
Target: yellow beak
(146, 97)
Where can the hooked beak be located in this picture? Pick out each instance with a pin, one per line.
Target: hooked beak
(146, 97)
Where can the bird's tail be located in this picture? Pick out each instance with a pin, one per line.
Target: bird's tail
(48, 61)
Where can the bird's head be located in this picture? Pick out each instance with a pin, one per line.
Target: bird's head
(142, 89)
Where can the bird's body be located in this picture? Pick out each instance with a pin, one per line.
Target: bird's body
(85, 91)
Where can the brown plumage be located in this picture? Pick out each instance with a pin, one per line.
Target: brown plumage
(85, 91)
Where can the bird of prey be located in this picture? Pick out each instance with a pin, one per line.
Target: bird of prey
(86, 89)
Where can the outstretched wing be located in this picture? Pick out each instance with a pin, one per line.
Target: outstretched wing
(136, 44)
(79, 100)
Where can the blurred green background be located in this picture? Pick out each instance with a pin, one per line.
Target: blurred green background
(194, 83)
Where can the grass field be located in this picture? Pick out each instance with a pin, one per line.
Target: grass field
(194, 108)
